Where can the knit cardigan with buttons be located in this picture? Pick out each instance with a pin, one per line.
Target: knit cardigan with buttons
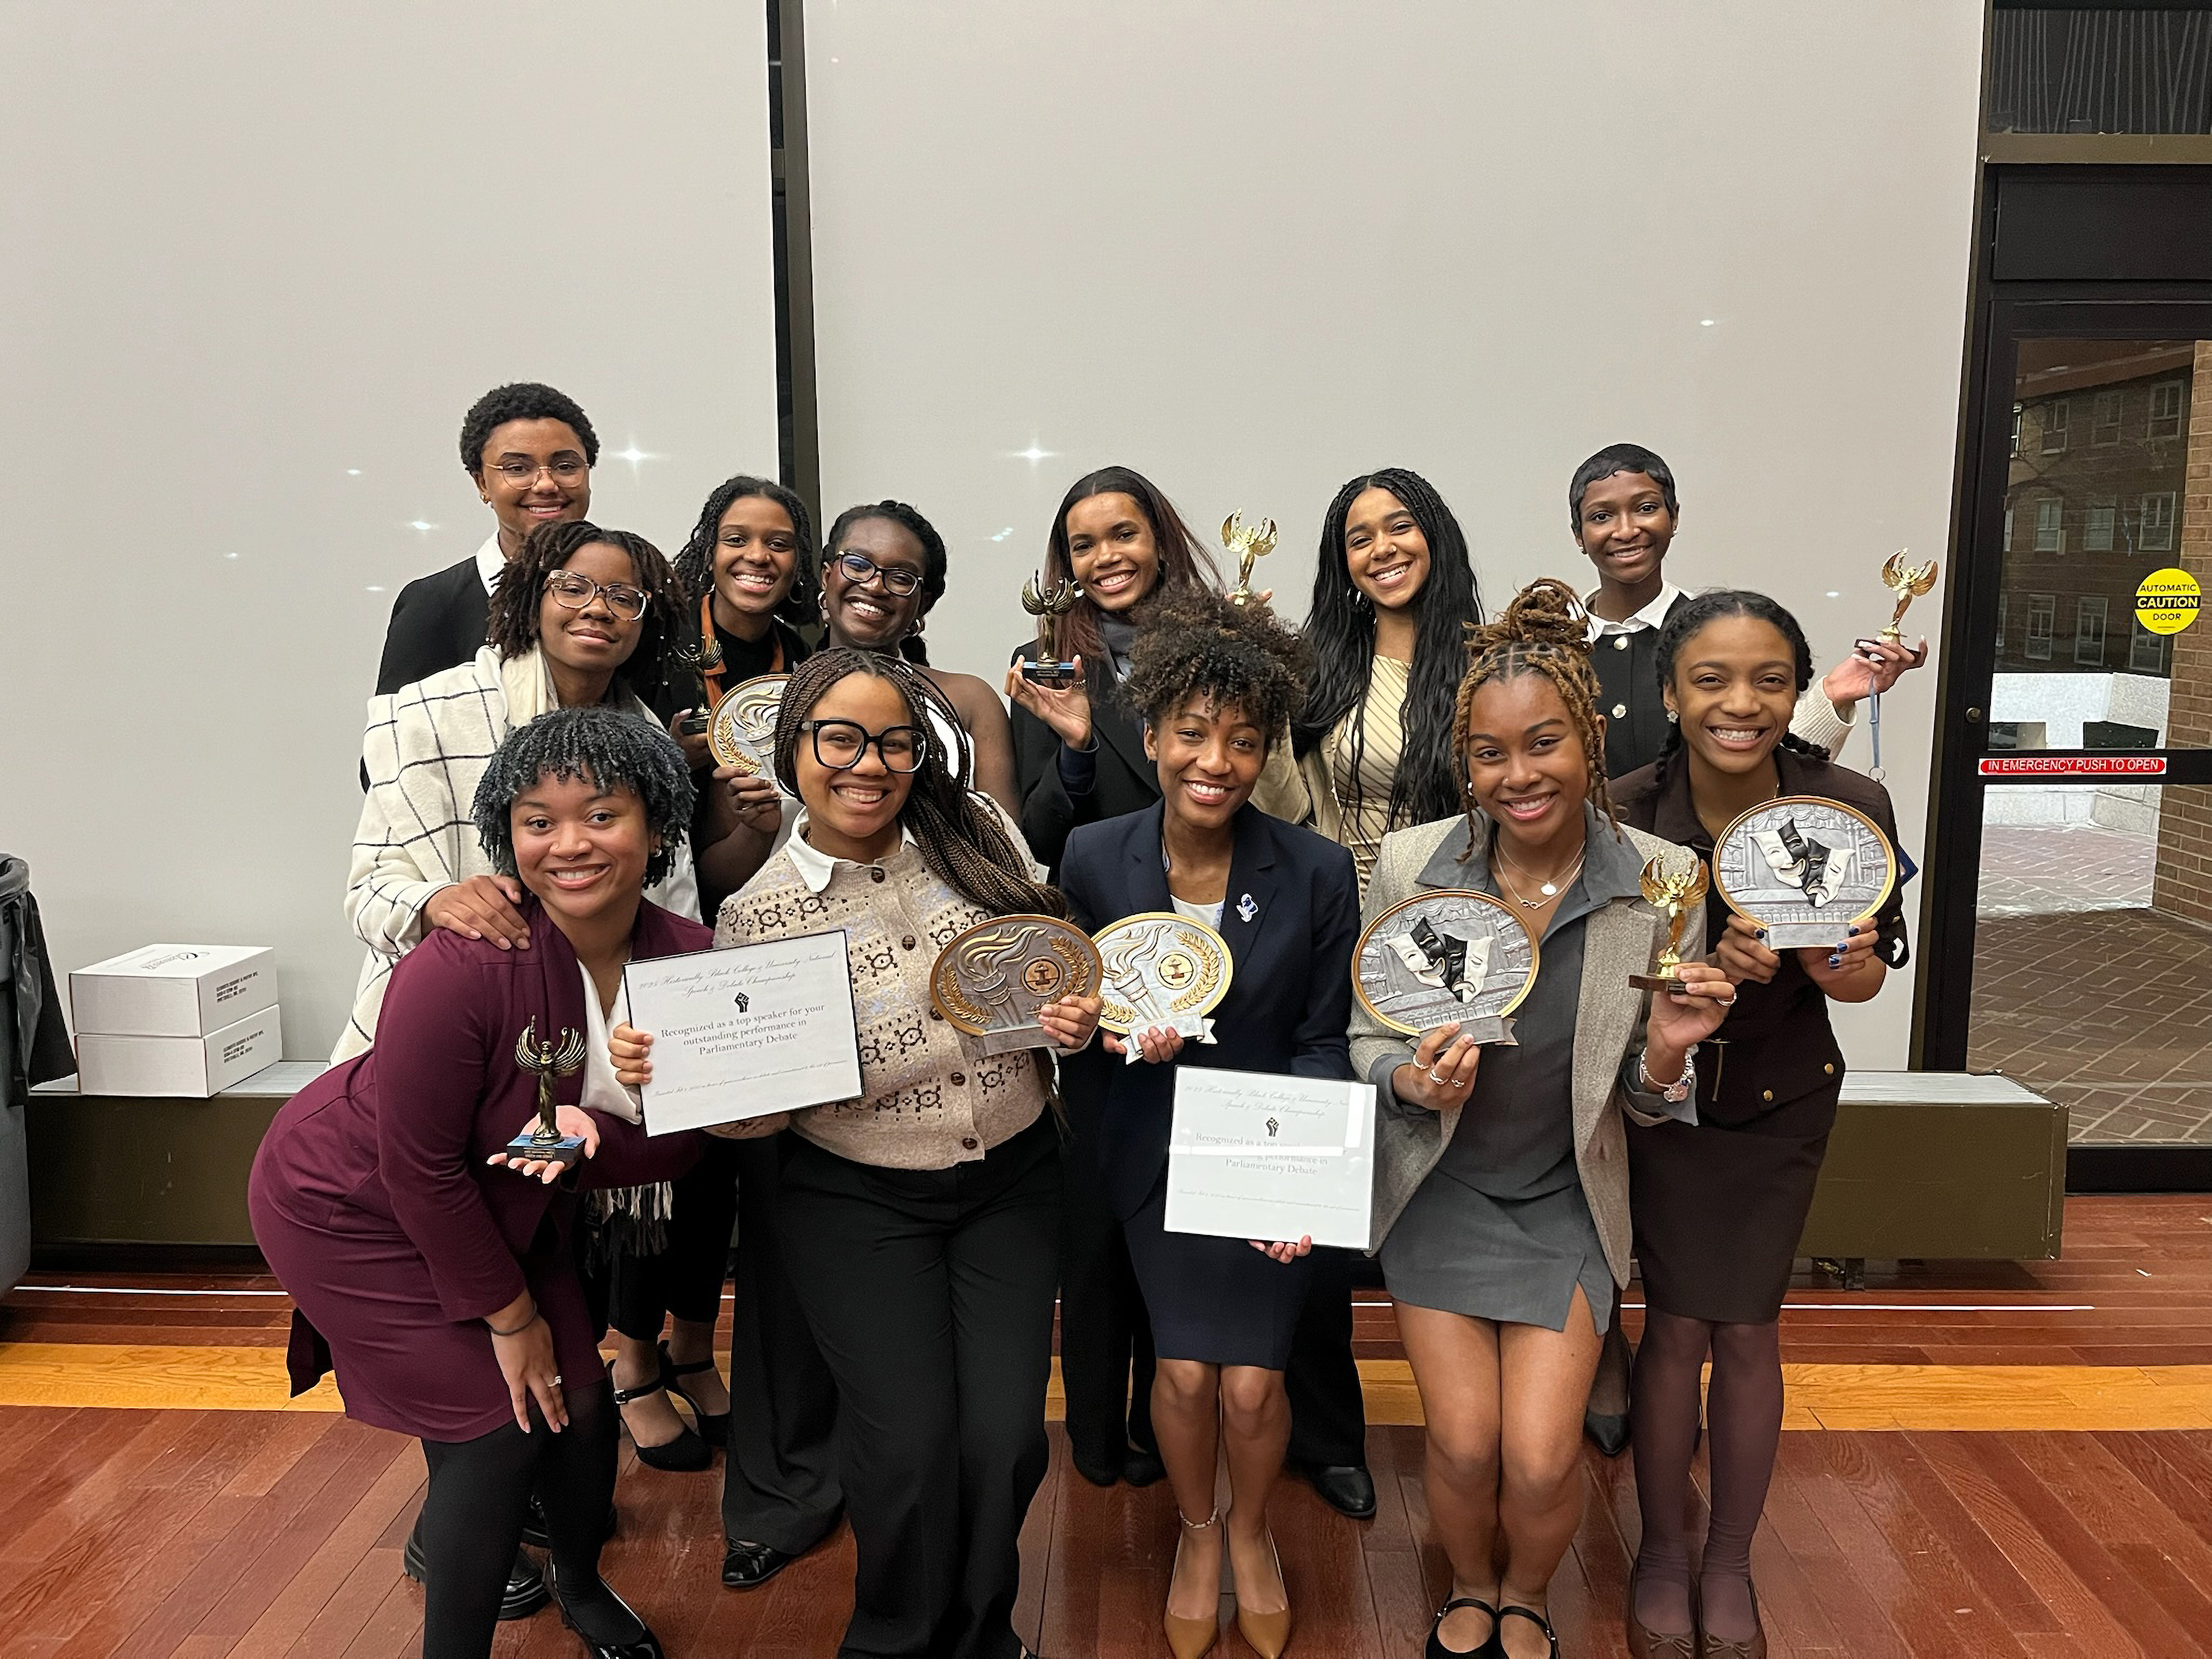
(930, 1098)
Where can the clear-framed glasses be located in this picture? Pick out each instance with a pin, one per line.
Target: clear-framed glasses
(859, 567)
(839, 745)
(565, 470)
(574, 592)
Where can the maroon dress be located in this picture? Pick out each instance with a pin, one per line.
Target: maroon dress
(373, 1204)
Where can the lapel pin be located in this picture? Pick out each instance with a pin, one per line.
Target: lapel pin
(1246, 908)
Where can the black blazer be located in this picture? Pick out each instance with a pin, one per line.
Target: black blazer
(1288, 1002)
(438, 621)
(1126, 781)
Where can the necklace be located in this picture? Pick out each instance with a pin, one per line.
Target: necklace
(1547, 891)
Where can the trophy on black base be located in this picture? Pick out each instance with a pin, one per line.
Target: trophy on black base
(546, 1144)
(1048, 606)
(699, 657)
(1674, 892)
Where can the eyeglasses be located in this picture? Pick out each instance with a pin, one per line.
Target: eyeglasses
(576, 592)
(839, 745)
(566, 470)
(858, 568)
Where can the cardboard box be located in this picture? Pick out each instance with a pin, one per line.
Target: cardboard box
(173, 990)
(197, 1066)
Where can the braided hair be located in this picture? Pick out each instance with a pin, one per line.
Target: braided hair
(1545, 630)
(961, 836)
(1199, 644)
(933, 562)
(1618, 457)
(610, 748)
(695, 565)
(1342, 627)
(1690, 616)
(522, 400)
(1184, 564)
(512, 626)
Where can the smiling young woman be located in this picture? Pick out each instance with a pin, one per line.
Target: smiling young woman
(1720, 1202)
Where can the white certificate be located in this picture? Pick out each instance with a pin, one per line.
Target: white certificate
(746, 1031)
(1256, 1155)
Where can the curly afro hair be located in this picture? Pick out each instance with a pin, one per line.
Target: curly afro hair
(1197, 643)
(610, 749)
(524, 400)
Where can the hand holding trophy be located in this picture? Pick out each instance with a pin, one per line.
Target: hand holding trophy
(546, 1144)
(699, 658)
(1676, 892)
(1250, 545)
(1908, 581)
(1048, 606)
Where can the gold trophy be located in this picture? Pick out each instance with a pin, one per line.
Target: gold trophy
(1048, 606)
(546, 1144)
(1674, 892)
(1908, 582)
(1250, 545)
(700, 657)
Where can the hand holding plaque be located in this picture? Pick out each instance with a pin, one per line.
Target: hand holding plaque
(742, 732)
(1677, 892)
(1805, 869)
(991, 981)
(1454, 957)
(1162, 970)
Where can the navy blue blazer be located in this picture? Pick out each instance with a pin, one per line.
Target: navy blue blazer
(1290, 998)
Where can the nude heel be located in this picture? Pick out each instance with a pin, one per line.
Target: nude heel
(1191, 1638)
(1267, 1633)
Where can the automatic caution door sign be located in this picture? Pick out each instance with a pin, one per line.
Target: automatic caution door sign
(2167, 601)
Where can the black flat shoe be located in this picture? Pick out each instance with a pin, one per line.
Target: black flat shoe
(644, 1645)
(1437, 1650)
(714, 1427)
(1347, 1488)
(1608, 1434)
(685, 1454)
(534, 1532)
(1535, 1618)
(1142, 1467)
(748, 1566)
(525, 1591)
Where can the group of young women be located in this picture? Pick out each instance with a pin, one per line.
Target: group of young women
(541, 814)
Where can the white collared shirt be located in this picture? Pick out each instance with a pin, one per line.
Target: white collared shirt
(816, 866)
(1652, 616)
(490, 561)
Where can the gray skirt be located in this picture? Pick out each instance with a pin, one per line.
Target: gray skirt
(1513, 1260)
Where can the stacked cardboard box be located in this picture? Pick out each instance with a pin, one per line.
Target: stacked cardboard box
(176, 1019)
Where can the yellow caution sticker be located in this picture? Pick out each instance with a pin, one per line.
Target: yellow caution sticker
(2167, 601)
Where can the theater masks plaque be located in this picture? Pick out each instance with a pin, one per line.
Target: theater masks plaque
(1440, 958)
(1805, 869)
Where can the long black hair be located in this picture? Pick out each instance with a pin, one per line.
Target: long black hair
(695, 565)
(1340, 626)
(1184, 564)
(1692, 615)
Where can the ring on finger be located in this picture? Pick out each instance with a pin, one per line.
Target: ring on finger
(1434, 1077)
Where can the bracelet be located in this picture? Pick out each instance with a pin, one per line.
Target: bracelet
(518, 1330)
(1678, 1090)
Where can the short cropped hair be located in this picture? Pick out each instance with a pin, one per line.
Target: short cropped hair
(1618, 457)
(523, 400)
(608, 748)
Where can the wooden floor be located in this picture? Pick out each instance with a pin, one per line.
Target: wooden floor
(1983, 1460)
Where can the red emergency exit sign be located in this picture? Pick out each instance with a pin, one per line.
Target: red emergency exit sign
(2073, 766)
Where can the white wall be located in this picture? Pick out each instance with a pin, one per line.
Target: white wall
(258, 259)
(1253, 248)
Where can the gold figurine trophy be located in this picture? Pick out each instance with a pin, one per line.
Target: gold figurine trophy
(1908, 582)
(546, 1144)
(1048, 606)
(1674, 892)
(699, 658)
(1251, 546)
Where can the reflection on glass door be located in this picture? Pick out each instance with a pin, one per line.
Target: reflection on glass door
(2093, 940)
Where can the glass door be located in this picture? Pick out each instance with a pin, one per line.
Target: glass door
(2083, 783)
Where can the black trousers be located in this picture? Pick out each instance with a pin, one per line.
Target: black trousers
(930, 1291)
(685, 1279)
(780, 1484)
(1106, 1344)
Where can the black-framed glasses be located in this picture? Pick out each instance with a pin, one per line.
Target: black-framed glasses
(839, 745)
(515, 470)
(574, 592)
(859, 567)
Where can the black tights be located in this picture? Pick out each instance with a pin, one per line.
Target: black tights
(472, 1521)
(1744, 1429)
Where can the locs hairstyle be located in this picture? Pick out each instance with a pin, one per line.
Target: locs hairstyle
(1618, 458)
(1200, 645)
(933, 562)
(1544, 630)
(524, 400)
(1342, 627)
(1692, 615)
(960, 838)
(1183, 564)
(608, 748)
(695, 565)
(512, 627)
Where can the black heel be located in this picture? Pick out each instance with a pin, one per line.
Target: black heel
(1437, 1650)
(714, 1427)
(1534, 1618)
(647, 1646)
(686, 1452)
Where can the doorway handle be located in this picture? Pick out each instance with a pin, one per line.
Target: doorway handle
(1973, 717)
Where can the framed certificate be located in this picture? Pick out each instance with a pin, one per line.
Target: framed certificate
(745, 1032)
(1258, 1155)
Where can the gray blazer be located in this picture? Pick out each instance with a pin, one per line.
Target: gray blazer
(1624, 937)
